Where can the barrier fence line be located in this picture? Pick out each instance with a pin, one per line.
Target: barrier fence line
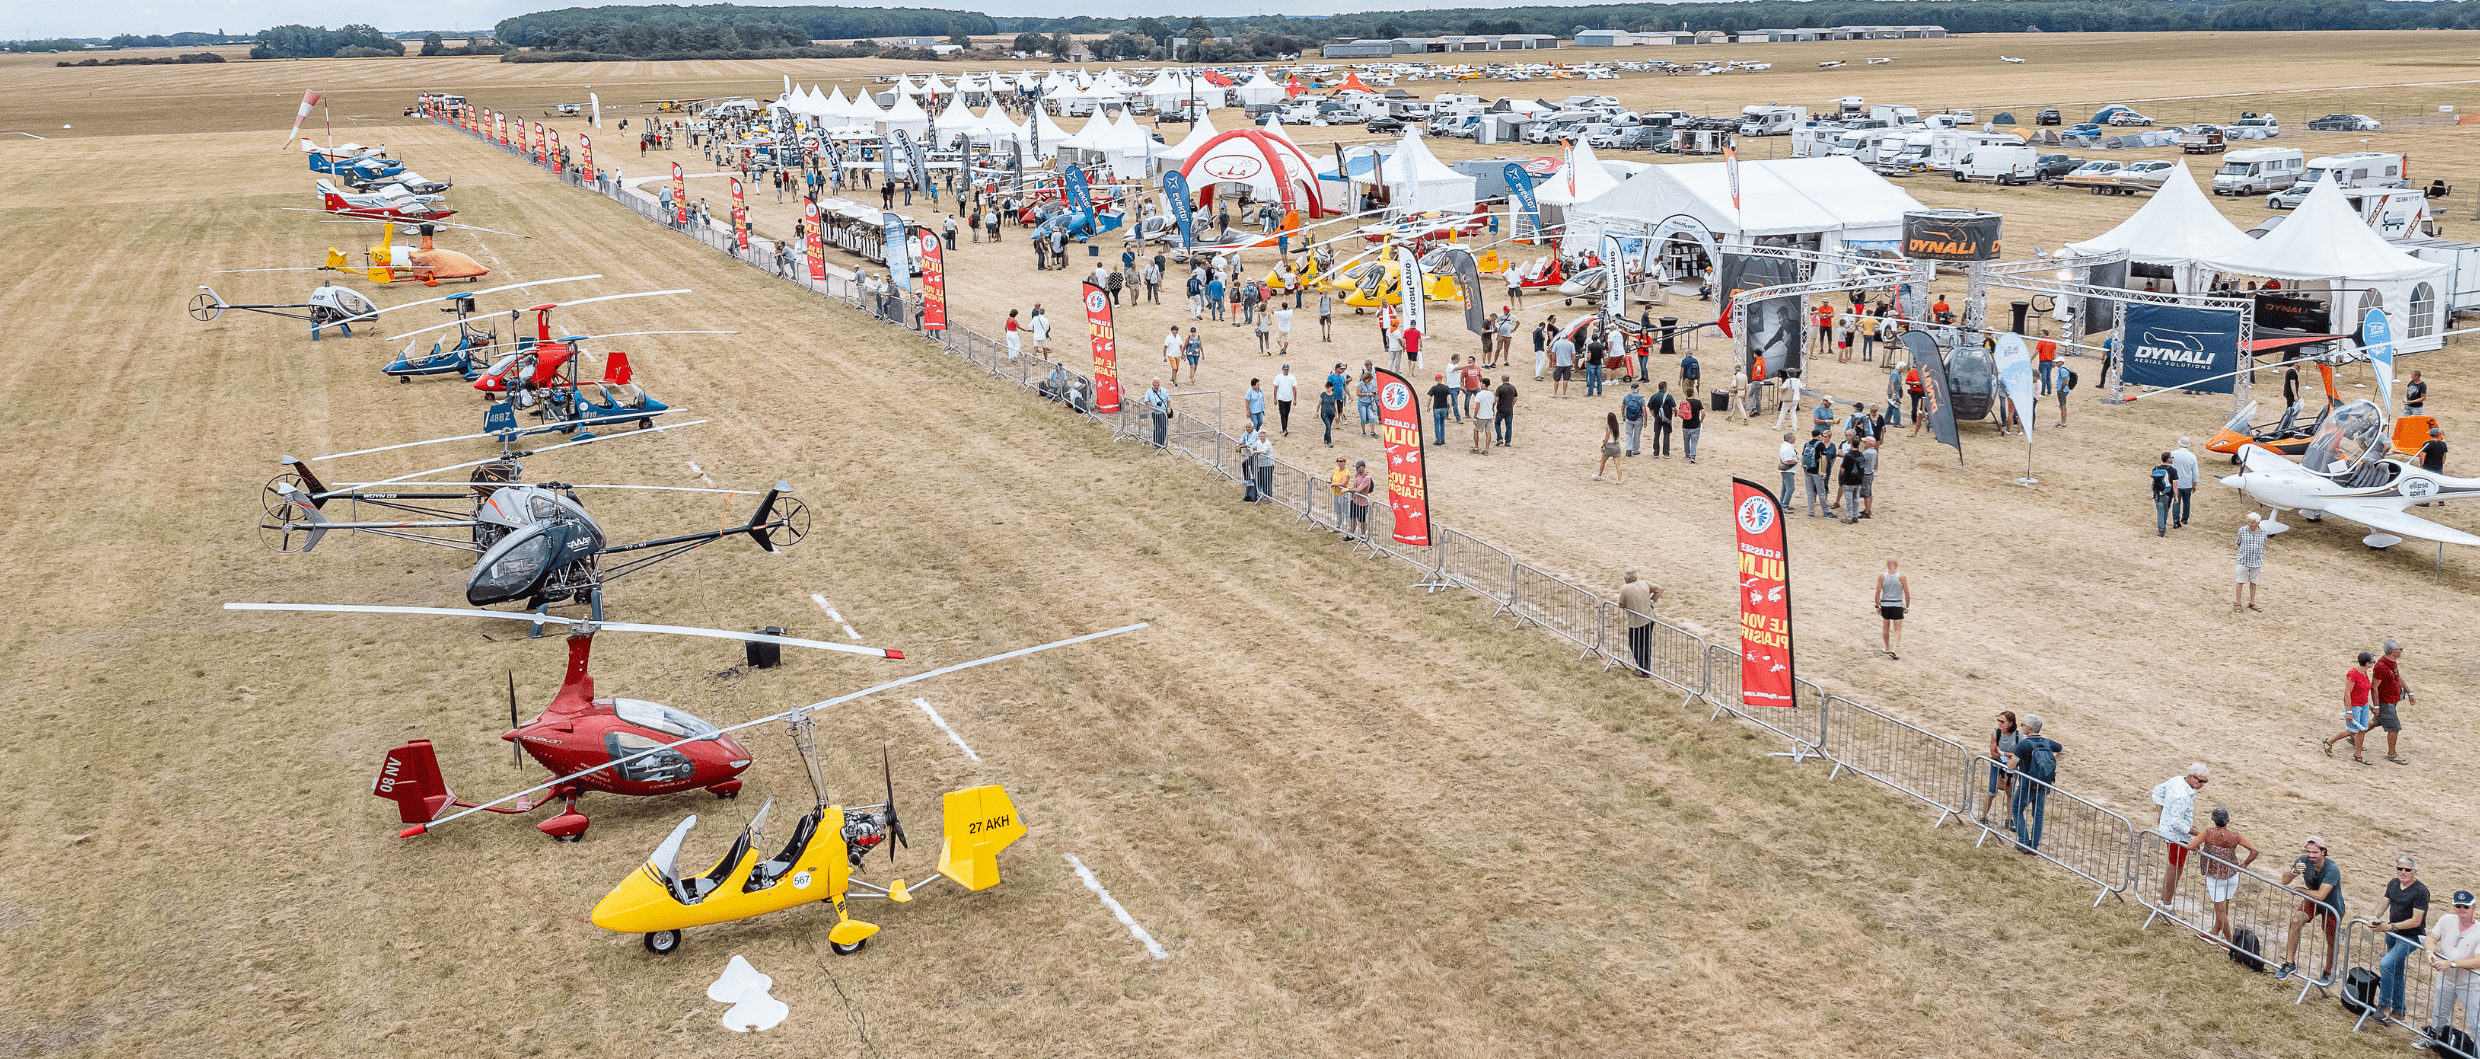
(2077, 835)
(1671, 654)
(2256, 903)
(1930, 767)
(2090, 842)
(2366, 949)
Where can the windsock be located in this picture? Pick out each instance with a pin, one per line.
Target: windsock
(308, 100)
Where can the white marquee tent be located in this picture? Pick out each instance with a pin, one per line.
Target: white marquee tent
(2177, 228)
(2326, 245)
(1833, 203)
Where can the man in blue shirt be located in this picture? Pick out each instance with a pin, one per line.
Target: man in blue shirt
(2321, 879)
(1159, 401)
(2035, 758)
(1214, 297)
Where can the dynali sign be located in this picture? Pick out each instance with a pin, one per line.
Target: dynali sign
(1951, 235)
(2180, 348)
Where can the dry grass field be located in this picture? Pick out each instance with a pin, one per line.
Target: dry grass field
(1361, 820)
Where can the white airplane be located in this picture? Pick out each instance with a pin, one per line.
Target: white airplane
(2008, 59)
(1881, 62)
(1831, 64)
(2349, 471)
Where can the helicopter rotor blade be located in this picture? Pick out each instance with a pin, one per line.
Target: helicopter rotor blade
(486, 434)
(536, 452)
(793, 713)
(516, 751)
(595, 626)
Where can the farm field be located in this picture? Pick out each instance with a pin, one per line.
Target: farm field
(1361, 820)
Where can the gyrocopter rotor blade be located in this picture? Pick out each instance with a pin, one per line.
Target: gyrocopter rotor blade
(464, 294)
(494, 434)
(794, 714)
(599, 626)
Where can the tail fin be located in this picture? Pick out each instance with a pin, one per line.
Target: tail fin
(980, 821)
(336, 260)
(766, 511)
(309, 481)
(410, 778)
(616, 369)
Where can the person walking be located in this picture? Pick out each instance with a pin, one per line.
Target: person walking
(1541, 349)
(1365, 400)
(1196, 295)
(1663, 409)
(1256, 398)
(1441, 401)
(1851, 474)
(2404, 925)
(1265, 334)
(1632, 413)
(1506, 412)
(1214, 295)
(1339, 486)
(1562, 364)
(1816, 463)
(2433, 456)
(2357, 686)
(1636, 600)
(2185, 461)
(2220, 845)
(2455, 956)
(1283, 330)
(1330, 408)
(1172, 342)
(1192, 350)
(1484, 409)
(1153, 276)
(2035, 763)
(1362, 486)
(1788, 456)
(1326, 317)
(1691, 376)
(1787, 397)
(2165, 478)
(1285, 388)
(1610, 447)
(1506, 334)
(2002, 740)
(2415, 396)
(2321, 879)
(1040, 325)
(2063, 380)
(1158, 403)
(1014, 343)
(2251, 563)
(2177, 798)
(2391, 693)
(1894, 596)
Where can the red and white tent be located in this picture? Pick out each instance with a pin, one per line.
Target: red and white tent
(1272, 167)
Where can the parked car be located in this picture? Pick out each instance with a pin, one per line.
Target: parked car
(1386, 124)
(2345, 123)
(2101, 176)
(2047, 116)
(2053, 166)
(2143, 176)
(2131, 119)
(2269, 127)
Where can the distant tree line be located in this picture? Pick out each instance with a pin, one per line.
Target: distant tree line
(726, 27)
(320, 42)
(433, 44)
(168, 40)
(150, 60)
(814, 51)
(50, 44)
(2012, 16)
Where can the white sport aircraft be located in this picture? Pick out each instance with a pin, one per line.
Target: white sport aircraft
(2350, 471)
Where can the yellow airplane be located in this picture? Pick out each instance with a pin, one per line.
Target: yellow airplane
(1381, 282)
(816, 865)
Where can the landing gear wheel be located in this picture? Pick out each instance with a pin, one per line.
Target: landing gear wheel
(580, 838)
(795, 518)
(205, 307)
(840, 950)
(663, 942)
(271, 497)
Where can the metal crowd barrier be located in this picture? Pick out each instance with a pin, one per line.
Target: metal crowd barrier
(1562, 608)
(2365, 948)
(1803, 722)
(2090, 842)
(1676, 657)
(1922, 764)
(2258, 903)
(1476, 565)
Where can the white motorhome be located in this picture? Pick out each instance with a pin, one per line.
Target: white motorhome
(2462, 285)
(1847, 108)
(2352, 169)
(1905, 150)
(1947, 147)
(1861, 143)
(2001, 163)
(1895, 115)
(2258, 170)
(1771, 120)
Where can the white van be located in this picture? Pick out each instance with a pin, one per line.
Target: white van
(2353, 169)
(1893, 114)
(1947, 147)
(2000, 163)
(1765, 119)
(2258, 171)
(1861, 143)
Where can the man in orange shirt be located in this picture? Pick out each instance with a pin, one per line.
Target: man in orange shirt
(2046, 351)
(1824, 318)
(1941, 312)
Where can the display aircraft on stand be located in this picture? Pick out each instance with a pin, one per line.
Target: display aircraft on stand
(2349, 470)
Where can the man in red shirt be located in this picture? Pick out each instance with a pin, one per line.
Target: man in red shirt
(2356, 686)
(1941, 312)
(1412, 346)
(1825, 323)
(2046, 352)
(2390, 693)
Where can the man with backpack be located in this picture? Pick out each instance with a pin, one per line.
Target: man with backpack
(2165, 489)
(2063, 377)
(1665, 410)
(2036, 758)
(1632, 418)
(1816, 458)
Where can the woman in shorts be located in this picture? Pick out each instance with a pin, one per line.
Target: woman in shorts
(1610, 447)
(2220, 846)
(2001, 744)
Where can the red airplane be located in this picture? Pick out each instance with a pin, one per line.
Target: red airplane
(579, 736)
(392, 204)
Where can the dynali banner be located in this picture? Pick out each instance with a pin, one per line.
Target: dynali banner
(740, 216)
(1765, 674)
(1407, 478)
(680, 196)
(816, 241)
(1106, 349)
(933, 260)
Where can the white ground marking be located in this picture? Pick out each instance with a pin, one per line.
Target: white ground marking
(821, 600)
(1112, 903)
(942, 723)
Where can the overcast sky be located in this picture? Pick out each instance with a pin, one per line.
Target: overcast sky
(29, 19)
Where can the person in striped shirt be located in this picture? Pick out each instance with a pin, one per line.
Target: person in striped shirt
(2251, 563)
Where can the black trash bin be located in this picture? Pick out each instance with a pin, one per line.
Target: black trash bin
(764, 655)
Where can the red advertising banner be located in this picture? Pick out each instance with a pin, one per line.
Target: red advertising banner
(816, 242)
(929, 253)
(538, 143)
(740, 216)
(1106, 349)
(1765, 673)
(680, 196)
(1407, 477)
(502, 119)
(522, 149)
(557, 168)
(585, 157)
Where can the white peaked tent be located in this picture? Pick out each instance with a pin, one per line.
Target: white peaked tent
(1198, 133)
(1831, 202)
(935, 87)
(2177, 228)
(956, 117)
(1087, 139)
(906, 115)
(834, 106)
(863, 110)
(1586, 173)
(1001, 128)
(2325, 244)
(1417, 180)
(1051, 135)
(1259, 90)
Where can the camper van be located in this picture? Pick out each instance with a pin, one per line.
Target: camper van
(1845, 109)
(1905, 150)
(2394, 213)
(2353, 169)
(1895, 115)
(1771, 120)
(1999, 163)
(1861, 143)
(1947, 147)
(2258, 171)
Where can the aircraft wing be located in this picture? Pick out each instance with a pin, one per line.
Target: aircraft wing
(2380, 516)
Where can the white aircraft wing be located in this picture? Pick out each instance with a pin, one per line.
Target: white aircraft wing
(2381, 516)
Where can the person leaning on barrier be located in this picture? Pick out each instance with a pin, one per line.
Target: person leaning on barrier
(2405, 923)
(2221, 873)
(2321, 879)
(2036, 759)
(2454, 954)
(2177, 798)
(1637, 599)
(2002, 740)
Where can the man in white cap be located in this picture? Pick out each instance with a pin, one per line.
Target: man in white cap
(2456, 959)
(2177, 798)
(2251, 558)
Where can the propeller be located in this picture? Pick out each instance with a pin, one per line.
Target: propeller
(895, 827)
(516, 754)
(590, 626)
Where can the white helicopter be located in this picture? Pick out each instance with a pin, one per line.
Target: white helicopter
(2350, 470)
